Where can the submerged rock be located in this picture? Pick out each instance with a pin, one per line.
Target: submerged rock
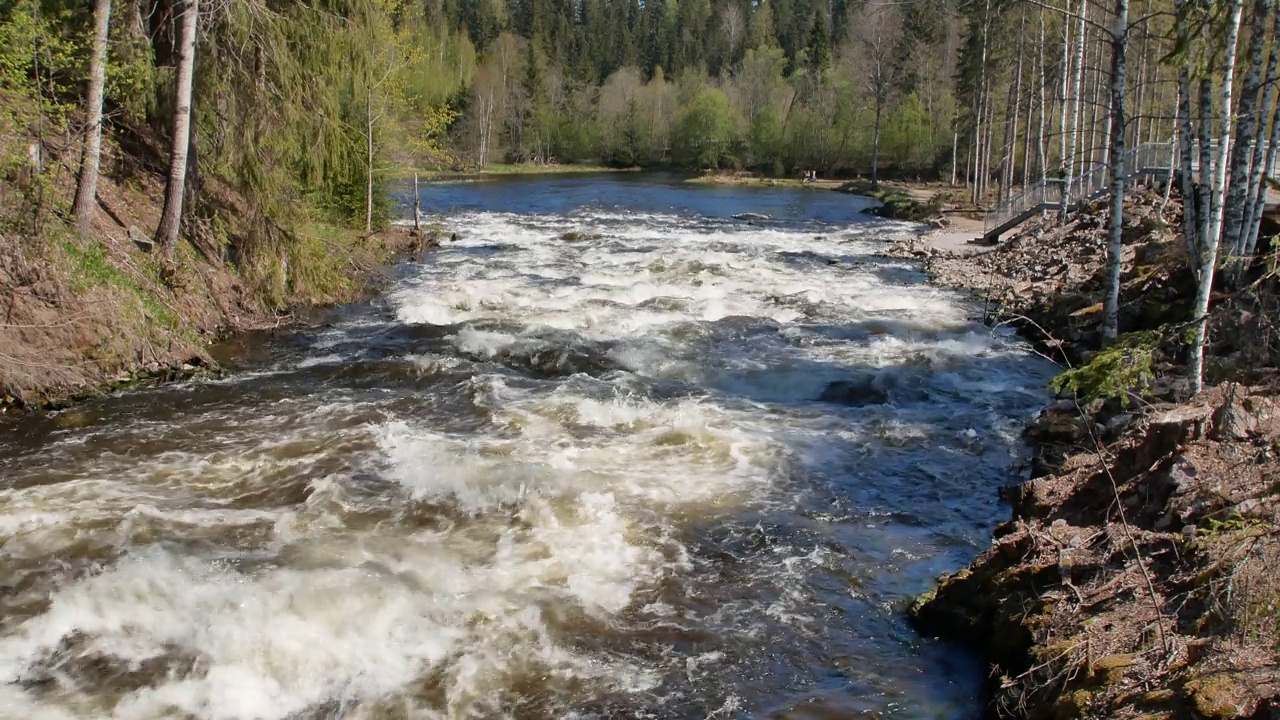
(578, 236)
(858, 391)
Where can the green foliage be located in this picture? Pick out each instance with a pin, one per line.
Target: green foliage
(765, 138)
(131, 73)
(1115, 372)
(705, 131)
(907, 138)
(819, 50)
(40, 59)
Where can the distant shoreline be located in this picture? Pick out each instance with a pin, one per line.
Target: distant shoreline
(508, 170)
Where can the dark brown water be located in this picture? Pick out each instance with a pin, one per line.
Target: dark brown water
(539, 478)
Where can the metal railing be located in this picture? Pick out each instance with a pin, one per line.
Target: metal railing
(1145, 160)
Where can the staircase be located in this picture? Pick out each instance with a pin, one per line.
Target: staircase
(1148, 161)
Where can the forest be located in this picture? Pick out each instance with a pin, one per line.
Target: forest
(293, 115)
(326, 100)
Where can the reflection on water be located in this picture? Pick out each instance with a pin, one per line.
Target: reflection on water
(678, 465)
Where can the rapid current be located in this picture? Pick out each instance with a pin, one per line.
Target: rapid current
(611, 453)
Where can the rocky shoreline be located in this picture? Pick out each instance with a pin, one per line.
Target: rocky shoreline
(1139, 575)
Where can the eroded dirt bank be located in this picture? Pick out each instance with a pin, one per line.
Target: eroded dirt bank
(83, 313)
(1140, 573)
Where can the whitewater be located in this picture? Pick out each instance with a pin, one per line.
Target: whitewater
(593, 460)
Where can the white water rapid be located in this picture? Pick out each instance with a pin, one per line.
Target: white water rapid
(667, 466)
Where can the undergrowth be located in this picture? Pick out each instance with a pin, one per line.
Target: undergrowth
(319, 263)
(91, 267)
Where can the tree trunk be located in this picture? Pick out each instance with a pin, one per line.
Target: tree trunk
(1026, 144)
(417, 206)
(368, 166)
(1017, 104)
(955, 141)
(875, 147)
(1091, 145)
(174, 191)
(91, 156)
(1255, 196)
(1040, 147)
(1120, 39)
(1074, 139)
(1010, 159)
(1140, 87)
(1242, 150)
(133, 19)
(1255, 222)
(979, 112)
(1187, 181)
(1065, 89)
(1204, 189)
(1209, 253)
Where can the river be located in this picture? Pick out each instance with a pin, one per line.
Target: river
(671, 464)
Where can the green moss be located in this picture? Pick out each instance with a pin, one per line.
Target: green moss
(1110, 669)
(1214, 696)
(1073, 705)
(1123, 368)
(900, 206)
(1157, 697)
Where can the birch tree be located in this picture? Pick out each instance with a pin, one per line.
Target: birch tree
(1119, 49)
(171, 217)
(1263, 154)
(1209, 252)
(876, 35)
(1073, 135)
(1242, 150)
(91, 156)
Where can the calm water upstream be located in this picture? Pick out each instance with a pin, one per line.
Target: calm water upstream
(541, 477)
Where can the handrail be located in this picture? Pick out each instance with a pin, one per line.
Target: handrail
(1146, 159)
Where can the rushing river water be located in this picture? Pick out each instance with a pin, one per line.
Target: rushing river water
(544, 476)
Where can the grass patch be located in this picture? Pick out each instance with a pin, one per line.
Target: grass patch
(91, 267)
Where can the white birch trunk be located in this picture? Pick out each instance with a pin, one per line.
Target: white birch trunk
(91, 156)
(1115, 248)
(1242, 150)
(1074, 138)
(1255, 195)
(171, 218)
(368, 166)
(417, 206)
(1209, 253)
(1040, 147)
(955, 142)
(1064, 89)
(1268, 163)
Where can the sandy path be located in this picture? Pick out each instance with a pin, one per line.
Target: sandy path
(961, 236)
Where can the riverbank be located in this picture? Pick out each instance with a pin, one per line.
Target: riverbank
(86, 313)
(1140, 573)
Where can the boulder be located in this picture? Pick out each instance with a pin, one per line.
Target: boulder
(140, 239)
(578, 236)
(857, 391)
(1243, 418)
